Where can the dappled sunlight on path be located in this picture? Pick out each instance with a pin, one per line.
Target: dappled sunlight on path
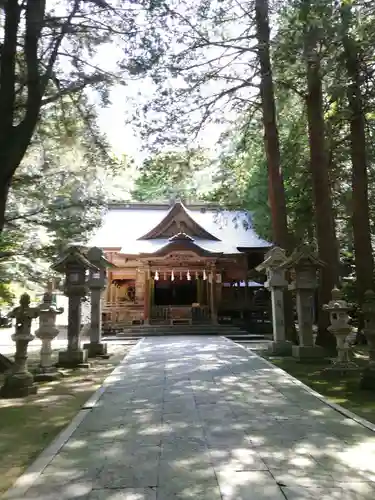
(200, 418)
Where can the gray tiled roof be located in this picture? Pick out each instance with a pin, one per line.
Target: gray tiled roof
(122, 228)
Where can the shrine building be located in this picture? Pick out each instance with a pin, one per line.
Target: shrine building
(178, 264)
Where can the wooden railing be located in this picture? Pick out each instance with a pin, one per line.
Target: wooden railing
(201, 314)
(172, 314)
(120, 313)
(161, 314)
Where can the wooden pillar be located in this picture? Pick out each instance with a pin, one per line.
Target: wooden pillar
(107, 294)
(146, 311)
(244, 307)
(139, 286)
(112, 299)
(219, 293)
(213, 296)
(147, 297)
(152, 292)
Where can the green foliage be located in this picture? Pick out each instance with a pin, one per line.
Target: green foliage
(244, 168)
(58, 50)
(210, 74)
(57, 195)
(205, 70)
(172, 175)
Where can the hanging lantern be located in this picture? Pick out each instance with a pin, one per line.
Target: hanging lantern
(156, 275)
(188, 277)
(180, 275)
(204, 275)
(172, 275)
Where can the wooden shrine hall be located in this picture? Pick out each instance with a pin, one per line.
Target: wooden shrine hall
(179, 264)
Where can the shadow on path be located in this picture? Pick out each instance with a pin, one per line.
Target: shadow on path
(200, 418)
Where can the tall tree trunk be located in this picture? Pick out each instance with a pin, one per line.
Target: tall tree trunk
(276, 192)
(319, 165)
(4, 191)
(364, 262)
(5, 363)
(15, 135)
(271, 135)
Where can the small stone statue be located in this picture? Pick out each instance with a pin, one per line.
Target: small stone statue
(19, 382)
(24, 314)
(46, 332)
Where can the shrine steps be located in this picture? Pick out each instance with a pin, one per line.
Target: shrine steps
(229, 331)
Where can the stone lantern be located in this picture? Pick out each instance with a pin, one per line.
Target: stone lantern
(97, 283)
(305, 265)
(277, 283)
(46, 332)
(338, 310)
(74, 265)
(19, 382)
(368, 376)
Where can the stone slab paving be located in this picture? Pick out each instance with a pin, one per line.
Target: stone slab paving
(201, 418)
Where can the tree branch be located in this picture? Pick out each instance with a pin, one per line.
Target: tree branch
(8, 66)
(6, 255)
(34, 22)
(38, 211)
(57, 44)
(74, 88)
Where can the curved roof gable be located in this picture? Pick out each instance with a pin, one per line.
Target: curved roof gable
(178, 221)
(124, 226)
(182, 244)
(181, 237)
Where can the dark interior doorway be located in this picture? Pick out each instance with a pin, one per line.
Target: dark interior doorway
(175, 293)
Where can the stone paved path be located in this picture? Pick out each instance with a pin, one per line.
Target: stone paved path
(201, 418)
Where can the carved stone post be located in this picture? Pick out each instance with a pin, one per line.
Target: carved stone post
(46, 332)
(305, 265)
(338, 312)
(368, 376)
(74, 264)
(277, 283)
(19, 382)
(97, 283)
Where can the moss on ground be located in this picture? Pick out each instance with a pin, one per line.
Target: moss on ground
(343, 389)
(28, 425)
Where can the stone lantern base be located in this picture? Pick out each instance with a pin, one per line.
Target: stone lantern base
(97, 350)
(368, 378)
(304, 353)
(342, 367)
(73, 359)
(47, 374)
(280, 348)
(18, 385)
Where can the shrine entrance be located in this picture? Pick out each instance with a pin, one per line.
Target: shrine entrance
(175, 293)
(179, 296)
